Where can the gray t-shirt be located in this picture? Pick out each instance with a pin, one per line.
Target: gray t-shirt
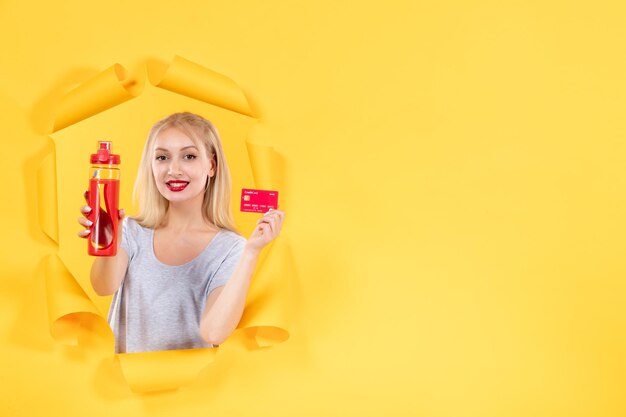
(159, 306)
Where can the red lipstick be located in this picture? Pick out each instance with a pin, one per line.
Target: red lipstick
(176, 186)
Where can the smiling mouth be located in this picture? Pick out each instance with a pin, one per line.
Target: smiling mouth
(176, 185)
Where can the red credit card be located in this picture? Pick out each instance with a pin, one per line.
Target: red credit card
(258, 201)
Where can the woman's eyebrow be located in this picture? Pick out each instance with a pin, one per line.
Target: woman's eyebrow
(182, 149)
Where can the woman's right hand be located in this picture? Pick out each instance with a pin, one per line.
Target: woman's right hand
(86, 223)
(107, 272)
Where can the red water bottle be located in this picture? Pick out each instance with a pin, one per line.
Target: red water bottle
(103, 198)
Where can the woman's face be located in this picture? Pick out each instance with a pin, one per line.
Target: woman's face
(180, 167)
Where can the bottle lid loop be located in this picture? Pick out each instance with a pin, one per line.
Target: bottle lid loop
(104, 155)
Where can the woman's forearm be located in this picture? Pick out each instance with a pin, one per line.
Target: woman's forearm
(107, 272)
(222, 317)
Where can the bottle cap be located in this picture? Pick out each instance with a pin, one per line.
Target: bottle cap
(104, 155)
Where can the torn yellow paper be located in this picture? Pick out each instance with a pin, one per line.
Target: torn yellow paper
(47, 197)
(268, 308)
(269, 305)
(69, 309)
(105, 90)
(195, 81)
(264, 163)
(164, 370)
(270, 297)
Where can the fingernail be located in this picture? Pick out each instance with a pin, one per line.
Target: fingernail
(90, 222)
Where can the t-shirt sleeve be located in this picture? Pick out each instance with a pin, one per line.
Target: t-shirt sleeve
(129, 237)
(227, 267)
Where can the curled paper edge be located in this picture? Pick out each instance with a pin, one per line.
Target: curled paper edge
(47, 197)
(153, 371)
(192, 80)
(263, 161)
(264, 336)
(69, 308)
(103, 91)
(270, 297)
(269, 305)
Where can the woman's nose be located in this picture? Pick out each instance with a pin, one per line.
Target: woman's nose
(174, 168)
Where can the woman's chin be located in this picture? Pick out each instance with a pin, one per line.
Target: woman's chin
(182, 196)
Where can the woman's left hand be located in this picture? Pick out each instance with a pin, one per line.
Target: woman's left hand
(267, 229)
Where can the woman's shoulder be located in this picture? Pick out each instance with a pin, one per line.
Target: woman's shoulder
(132, 225)
(230, 238)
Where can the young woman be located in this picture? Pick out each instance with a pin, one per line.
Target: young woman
(181, 274)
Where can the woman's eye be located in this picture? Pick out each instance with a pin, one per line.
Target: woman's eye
(160, 158)
(190, 156)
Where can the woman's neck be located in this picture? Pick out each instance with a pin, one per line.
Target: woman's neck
(186, 217)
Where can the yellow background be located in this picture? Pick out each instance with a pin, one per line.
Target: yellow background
(454, 186)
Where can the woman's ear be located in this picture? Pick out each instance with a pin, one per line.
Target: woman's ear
(213, 167)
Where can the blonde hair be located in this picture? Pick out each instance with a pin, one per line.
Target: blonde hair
(216, 203)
